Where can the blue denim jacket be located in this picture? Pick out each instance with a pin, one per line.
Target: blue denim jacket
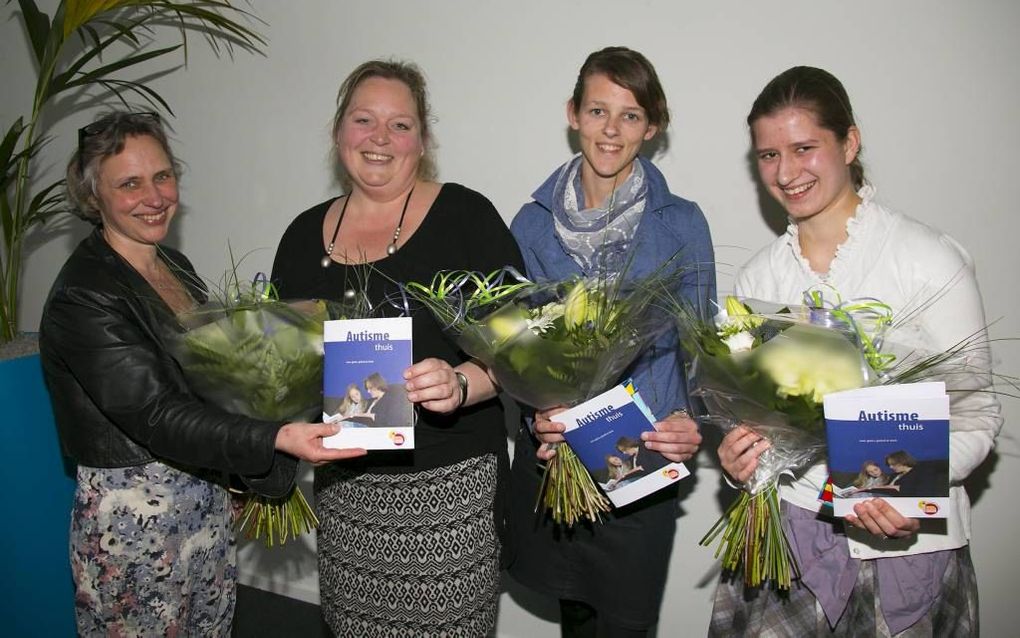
(668, 224)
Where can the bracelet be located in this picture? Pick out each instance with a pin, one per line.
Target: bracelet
(462, 381)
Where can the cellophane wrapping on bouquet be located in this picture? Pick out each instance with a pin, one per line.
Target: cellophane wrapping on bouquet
(262, 358)
(768, 371)
(552, 344)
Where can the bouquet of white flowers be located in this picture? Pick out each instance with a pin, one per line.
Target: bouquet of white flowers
(551, 344)
(768, 369)
(252, 354)
(769, 372)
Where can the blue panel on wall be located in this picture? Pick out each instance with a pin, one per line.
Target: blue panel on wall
(37, 595)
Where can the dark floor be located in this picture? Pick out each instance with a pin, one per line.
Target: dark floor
(260, 614)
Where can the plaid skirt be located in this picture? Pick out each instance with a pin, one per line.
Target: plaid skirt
(766, 614)
(414, 554)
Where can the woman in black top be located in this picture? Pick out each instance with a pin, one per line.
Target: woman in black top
(409, 542)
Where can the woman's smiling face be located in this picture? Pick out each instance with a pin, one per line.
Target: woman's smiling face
(803, 165)
(137, 194)
(379, 141)
(611, 126)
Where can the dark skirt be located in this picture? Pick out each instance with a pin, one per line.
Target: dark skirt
(618, 567)
(413, 554)
(152, 553)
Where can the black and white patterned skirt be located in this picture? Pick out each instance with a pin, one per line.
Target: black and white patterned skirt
(409, 554)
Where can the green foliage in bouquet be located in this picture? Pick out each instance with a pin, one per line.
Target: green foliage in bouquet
(262, 360)
(252, 354)
(268, 368)
(771, 371)
(551, 344)
(459, 297)
(553, 351)
(548, 344)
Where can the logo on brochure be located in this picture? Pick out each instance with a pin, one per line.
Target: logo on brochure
(671, 473)
(928, 507)
(397, 438)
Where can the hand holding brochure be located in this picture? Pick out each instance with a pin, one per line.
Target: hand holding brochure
(605, 433)
(363, 383)
(892, 442)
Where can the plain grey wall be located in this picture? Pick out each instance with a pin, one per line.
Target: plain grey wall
(933, 82)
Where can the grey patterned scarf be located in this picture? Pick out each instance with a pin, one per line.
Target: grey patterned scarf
(598, 238)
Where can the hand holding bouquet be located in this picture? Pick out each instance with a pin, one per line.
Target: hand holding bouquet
(551, 344)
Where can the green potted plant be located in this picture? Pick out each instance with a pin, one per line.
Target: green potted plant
(80, 52)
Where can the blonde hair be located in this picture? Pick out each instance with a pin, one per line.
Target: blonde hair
(410, 76)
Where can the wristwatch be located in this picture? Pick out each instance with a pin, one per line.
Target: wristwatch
(462, 381)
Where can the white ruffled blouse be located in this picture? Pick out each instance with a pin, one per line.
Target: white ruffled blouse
(913, 268)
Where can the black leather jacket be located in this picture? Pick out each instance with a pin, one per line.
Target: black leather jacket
(118, 396)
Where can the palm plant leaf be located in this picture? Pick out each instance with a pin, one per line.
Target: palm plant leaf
(121, 31)
(214, 14)
(7, 221)
(80, 12)
(45, 203)
(96, 75)
(117, 87)
(8, 157)
(37, 24)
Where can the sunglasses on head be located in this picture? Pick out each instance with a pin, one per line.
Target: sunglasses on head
(96, 128)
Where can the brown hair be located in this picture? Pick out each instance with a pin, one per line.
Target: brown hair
(375, 381)
(411, 76)
(815, 90)
(105, 138)
(631, 70)
(900, 457)
(626, 442)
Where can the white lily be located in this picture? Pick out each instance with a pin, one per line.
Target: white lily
(739, 342)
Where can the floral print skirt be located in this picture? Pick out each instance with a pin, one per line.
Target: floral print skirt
(152, 553)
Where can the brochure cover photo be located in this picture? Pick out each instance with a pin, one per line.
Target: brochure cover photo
(363, 383)
(605, 433)
(890, 442)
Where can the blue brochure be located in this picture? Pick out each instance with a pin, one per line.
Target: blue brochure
(605, 433)
(363, 383)
(891, 442)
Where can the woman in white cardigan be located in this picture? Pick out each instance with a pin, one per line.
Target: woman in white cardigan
(875, 572)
